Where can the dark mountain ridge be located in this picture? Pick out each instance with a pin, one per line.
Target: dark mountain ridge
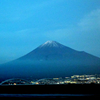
(51, 59)
(55, 49)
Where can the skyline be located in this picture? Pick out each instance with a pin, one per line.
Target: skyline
(26, 24)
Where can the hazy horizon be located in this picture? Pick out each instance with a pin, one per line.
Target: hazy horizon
(26, 24)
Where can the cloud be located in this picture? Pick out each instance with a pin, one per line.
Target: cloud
(88, 28)
(90, 21)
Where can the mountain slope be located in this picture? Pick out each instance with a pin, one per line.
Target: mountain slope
(51, 59)
(53, 51)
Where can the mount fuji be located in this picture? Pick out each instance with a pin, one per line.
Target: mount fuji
(49, 60)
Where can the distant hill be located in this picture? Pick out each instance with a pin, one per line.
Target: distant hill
(51, 59)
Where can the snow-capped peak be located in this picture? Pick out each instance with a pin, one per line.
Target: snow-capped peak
(51, 44)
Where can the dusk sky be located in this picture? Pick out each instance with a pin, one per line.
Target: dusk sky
(26, 24)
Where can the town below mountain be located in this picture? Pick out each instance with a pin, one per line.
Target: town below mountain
(75, 79)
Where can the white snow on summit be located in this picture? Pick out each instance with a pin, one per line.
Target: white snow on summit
(50, 44)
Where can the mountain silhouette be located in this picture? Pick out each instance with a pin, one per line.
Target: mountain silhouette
(49, 60)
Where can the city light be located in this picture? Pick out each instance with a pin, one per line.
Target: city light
(75, 79)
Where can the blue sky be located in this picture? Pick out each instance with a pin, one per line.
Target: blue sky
(25, 24)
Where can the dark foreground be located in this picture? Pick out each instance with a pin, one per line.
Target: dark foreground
(49, 91)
